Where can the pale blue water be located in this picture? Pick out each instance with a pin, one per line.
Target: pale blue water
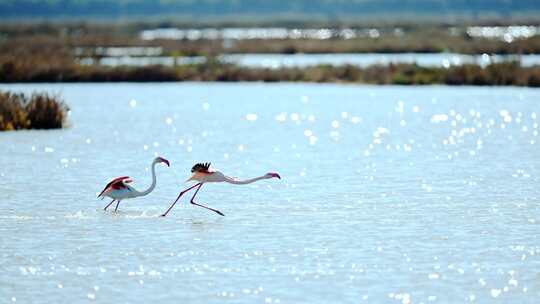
(389, 195)
(366, 59)
(275, 61)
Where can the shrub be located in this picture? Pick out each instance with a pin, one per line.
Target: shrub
(39, 111)
(13, 114)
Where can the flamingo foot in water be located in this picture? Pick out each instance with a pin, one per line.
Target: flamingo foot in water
(105, 209)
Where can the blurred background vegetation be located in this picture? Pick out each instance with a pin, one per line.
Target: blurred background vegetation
(67, 40)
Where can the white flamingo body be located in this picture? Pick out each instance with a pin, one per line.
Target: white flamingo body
(214, 177)
(118, 189)
(218, 177)
(202, 175)
(120, 194)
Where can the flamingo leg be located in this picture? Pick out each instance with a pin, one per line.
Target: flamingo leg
(192, 202)
(180, 195)
(109, 205)
(116, 208)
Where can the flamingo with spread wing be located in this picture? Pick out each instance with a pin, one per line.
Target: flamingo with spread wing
(118, 189)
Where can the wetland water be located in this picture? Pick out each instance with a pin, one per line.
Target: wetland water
(389, 194)
(277, 61)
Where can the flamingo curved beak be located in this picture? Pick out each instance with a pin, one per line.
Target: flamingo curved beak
(165, 161)
(275, 175)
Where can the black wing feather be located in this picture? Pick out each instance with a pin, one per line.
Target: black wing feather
(201, 167)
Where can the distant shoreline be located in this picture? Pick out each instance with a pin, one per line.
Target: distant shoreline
(171, 39)
(497, 74)
(72, 52)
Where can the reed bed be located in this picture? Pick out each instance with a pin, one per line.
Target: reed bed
(52, 70)
(36, 111)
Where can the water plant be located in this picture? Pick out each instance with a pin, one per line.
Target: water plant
(36, 111)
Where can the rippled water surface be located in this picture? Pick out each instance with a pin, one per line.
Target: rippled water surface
(389, 195)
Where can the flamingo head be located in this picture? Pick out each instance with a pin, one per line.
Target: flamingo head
(162, 160)
(272, 175)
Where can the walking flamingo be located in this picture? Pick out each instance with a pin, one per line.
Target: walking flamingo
(202, 174)
(118, 189)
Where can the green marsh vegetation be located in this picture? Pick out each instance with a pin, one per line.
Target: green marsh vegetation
(52, 52)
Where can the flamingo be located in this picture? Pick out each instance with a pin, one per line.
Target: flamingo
(118, 189)
(202, 174)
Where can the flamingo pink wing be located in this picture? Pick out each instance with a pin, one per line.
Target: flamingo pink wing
(117, 183)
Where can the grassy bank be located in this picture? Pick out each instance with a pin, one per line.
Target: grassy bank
(507, 73)
(38, 111)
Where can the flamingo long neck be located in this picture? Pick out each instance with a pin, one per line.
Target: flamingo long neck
(243, 182)
(153, 185)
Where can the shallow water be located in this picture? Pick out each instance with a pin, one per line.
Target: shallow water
(389, 195)
(445, 60)
(275, 61)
